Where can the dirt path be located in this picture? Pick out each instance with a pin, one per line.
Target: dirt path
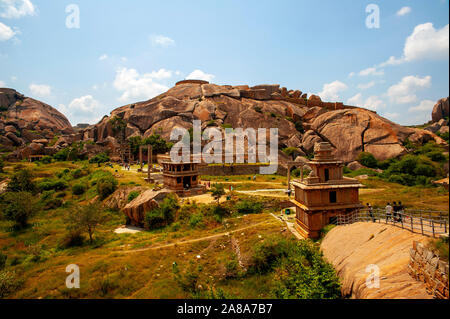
(182, 242)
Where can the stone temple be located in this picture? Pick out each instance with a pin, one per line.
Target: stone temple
(324, 194)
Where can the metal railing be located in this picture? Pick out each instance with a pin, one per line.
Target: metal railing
(425, 222)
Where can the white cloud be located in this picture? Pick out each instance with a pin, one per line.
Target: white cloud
(330, 91)
(403, 11)
(6, 32)
(351, 74)
(356, 100)
(424, 106)
(404, 91)
(425, 43)
(371, 71)
(2, 84)
(200, 75)
(161, 40)
(139, 86)
(84, 109)
(365, 86)
(40, 90)
(103, 57)
(14, 9)
(391, 115)
(371, 103)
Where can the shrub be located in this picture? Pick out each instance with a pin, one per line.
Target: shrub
(8, 283)
(99, 158)
(154, 219)
(436, 156)
(304, 274)
(189, 279)
(367, 159)
(78, 173)
(18, 207)
(56, 185)
(22, 181)
(268, 253)
(425, 170)
(2, 261)
(78, 189)
(219, 212)
(299, 127)
(196, 220)
(53, 203)
(217, 191)
(291, 151)
(257, 109)
(46, 159)
(106, 186)
(72, 239)
(249, 207)
(132, 195)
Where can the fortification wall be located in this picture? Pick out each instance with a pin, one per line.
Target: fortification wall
(241, 169)
(425, 266)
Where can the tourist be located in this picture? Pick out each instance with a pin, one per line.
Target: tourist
(395, 209)
(370, 209)
(289, 192)
(388, 212)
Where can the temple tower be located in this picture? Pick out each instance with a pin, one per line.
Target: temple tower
(324, 194)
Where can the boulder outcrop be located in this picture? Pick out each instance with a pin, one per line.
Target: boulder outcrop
(145, 202)
(440, 110)
(355, 249)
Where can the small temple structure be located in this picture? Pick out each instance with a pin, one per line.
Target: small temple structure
(182, 178)
(324, 194)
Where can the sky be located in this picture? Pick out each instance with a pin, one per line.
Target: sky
(87, 58)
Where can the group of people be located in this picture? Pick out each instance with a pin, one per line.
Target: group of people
(393, 212)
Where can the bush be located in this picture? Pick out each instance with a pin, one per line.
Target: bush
(249, 207)
(46, 159)
(56, 185)
(78, 189)
(132, 195)
(72, 239)
(53, 203)
(8, 283)
(268, 253)
(367, 159)
(2, 261)
(18, 207)
(99, 158)
(85, 218)
(78, 173)
(292, 152)
(22, 181)
(196, 220)
(436, 156)
(106, 186)
(299, 127)
(304, 274)
(154, 219)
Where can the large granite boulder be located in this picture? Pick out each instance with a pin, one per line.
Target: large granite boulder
(440, 110)
(145, 202)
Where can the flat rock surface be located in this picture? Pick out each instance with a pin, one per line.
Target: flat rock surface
(352, 248)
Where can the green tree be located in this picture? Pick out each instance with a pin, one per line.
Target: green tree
(18, 207)
(217, 191)
(367, 159)
(85, 218)
(22, 181)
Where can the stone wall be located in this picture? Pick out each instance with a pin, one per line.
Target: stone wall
(425, 266)
(241, 169)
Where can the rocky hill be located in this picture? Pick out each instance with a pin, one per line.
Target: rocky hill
(301, 121)
(353, 247)
(24, 120)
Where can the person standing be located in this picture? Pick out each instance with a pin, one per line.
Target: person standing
(388, 209)
(370, 209)
(395, 209)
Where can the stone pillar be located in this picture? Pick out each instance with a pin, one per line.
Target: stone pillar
(140, 157)
(289, 176)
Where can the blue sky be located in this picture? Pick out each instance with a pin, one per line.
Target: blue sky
(128, 51)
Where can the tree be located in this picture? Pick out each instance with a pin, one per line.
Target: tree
(217, 191)
(86, 218)
(367, 159)
(22, 181)
(18, 207)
